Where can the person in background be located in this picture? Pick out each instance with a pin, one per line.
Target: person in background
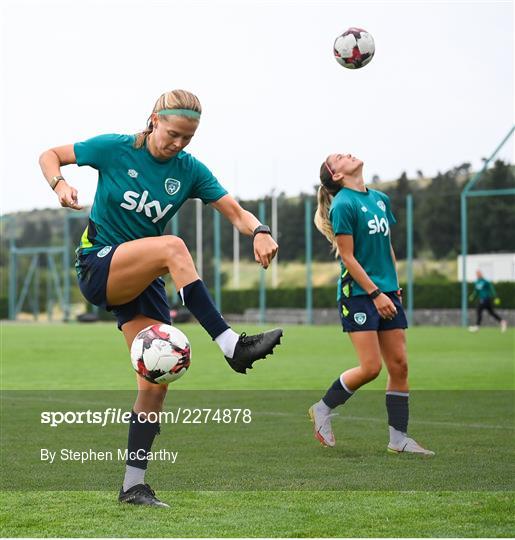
(484, 291)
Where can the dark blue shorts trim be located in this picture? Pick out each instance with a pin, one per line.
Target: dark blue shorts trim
(93, 271)
(359, 314)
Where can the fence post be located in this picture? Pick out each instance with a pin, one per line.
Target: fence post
(262, 282)
(217, 260)
(409, 256)
(309, 257)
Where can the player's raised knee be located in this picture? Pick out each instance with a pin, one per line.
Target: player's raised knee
(174, 249)
(174, 244)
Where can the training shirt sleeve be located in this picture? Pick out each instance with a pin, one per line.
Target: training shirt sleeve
(97, 152)
(206, 186)
(342, 217)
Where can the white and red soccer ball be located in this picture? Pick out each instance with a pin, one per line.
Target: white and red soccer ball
(160, 353)
(354, 48)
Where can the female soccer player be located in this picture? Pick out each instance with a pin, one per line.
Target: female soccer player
(484, 291)
(356, 221)
(143, 180)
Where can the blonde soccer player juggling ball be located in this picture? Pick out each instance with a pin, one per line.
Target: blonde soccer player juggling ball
(143, 180)
(356, 221)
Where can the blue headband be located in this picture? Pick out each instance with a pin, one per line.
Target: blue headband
(180, 112)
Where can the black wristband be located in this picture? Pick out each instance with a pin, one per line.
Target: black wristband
(262, 229)
(375, 294)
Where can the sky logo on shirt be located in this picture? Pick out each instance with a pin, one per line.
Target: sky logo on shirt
(152, 209)
(378, 226)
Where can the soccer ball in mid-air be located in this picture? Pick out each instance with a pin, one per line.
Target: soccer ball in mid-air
(354, 48)
(160, 353)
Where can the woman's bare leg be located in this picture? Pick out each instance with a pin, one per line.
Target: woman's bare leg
(393, 350)
(367, 348)
(137, 263)
(141, 432)
(150, 396)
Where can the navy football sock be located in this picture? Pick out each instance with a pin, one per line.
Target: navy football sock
(141, 437)
(397, 407)
(197, 299)
(337, 394)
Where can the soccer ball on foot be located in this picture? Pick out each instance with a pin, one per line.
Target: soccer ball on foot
(354, 48)
(160, 353)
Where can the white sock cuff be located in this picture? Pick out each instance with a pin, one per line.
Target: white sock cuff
(345, 387)
(227, 341)
(395, 393)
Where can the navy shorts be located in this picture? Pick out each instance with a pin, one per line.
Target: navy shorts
(359, 314)
(92, 272)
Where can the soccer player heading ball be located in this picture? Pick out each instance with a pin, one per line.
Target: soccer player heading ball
(356, 221)
(143, 180)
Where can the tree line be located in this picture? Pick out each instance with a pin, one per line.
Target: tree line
(436, 224)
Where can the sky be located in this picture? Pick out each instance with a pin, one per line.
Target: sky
(439, 91)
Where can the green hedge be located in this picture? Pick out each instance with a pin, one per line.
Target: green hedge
(426, 296)
(4, 308)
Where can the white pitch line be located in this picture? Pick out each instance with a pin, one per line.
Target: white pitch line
(382, 420)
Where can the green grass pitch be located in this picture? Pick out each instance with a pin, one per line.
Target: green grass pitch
(466, 490)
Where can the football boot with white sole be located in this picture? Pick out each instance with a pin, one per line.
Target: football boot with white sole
(322, 428)
(409, 446)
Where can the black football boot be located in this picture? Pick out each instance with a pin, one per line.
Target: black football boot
(251, 348)
(141, 494)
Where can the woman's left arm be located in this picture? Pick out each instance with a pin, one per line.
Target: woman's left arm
(393, 258)
(265, 247)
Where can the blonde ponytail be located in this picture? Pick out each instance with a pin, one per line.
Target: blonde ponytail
(322, 221)
(326, 192)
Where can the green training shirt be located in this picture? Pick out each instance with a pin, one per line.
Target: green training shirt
(366, 216)
(484, 289)
(138, 194)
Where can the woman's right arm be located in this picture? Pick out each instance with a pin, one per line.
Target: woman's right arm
(51, 162)
(384, 305)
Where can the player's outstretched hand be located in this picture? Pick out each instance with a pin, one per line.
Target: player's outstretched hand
(265, 249)
(67, 196)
